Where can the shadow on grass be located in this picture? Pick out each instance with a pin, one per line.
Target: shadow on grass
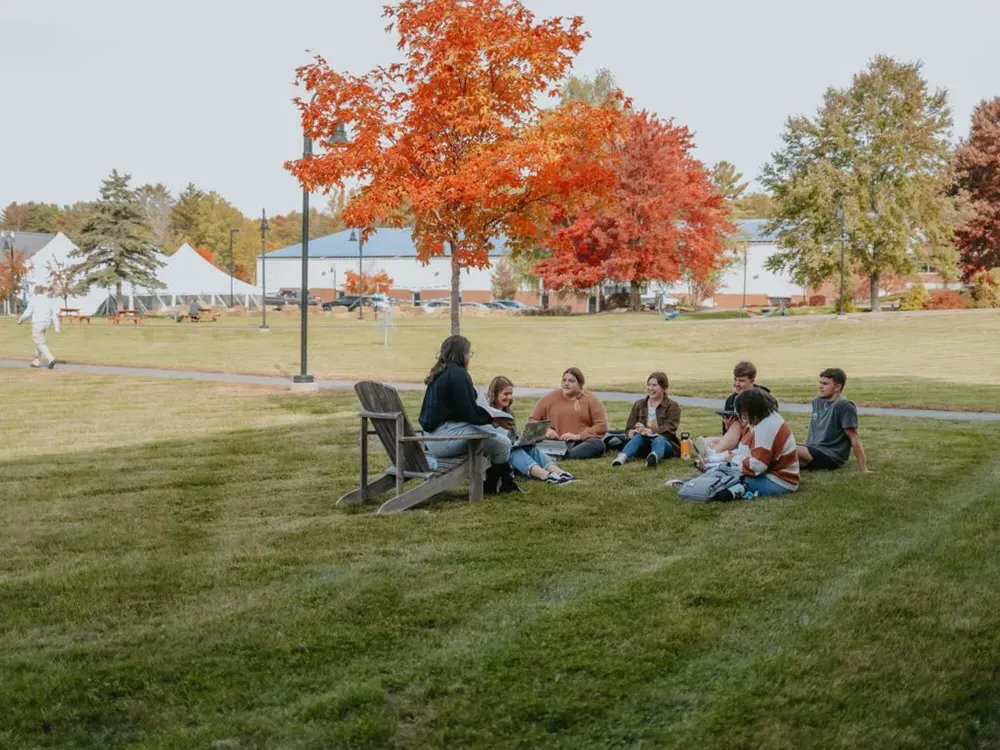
(187, 593)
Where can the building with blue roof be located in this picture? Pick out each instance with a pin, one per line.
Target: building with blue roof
(393, 251)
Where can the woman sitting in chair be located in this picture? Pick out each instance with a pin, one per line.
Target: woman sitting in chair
(450, 410)
(527, 460)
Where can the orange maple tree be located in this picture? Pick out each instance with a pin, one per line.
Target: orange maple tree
(377, 283)
(13, 268)
(664, 222)
(453, 135)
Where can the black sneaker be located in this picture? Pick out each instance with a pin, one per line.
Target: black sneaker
(652, 460)
(51, 365)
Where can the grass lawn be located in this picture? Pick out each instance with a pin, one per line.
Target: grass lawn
(929, 360)
(173, 573)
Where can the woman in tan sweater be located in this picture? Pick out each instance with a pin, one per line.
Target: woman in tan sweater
(577, 417)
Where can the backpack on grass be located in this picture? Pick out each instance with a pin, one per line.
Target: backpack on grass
(712, 485)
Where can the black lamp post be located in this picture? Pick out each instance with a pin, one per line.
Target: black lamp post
(339, 136)
(356, 237)
(232, 265)
(843, 234)
(263, 268)
(8, 245)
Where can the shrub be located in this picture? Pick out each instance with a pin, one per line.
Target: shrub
(849, 305)
(947, 299)
(916, 298)
(986, 288)
(817, 300)
(551, 311)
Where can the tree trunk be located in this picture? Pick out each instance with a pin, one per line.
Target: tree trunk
(634, 298)
(118, 295)
(876, 304)
(456, 280)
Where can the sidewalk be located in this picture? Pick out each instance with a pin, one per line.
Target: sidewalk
(612, 396)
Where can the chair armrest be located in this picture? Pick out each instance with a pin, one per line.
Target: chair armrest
(379, 415)
(432, 439)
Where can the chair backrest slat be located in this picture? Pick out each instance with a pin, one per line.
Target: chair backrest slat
(378, 397)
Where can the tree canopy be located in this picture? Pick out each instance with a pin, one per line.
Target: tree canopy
(878, 150)
(454, 132)
(114, 243)
(977, 164)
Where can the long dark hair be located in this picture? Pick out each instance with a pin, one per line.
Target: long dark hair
(454, 351)
(755, 404)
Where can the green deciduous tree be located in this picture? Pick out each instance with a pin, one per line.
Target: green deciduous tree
(599, 90)
(880, 150)
(114, 244)
(29, 217)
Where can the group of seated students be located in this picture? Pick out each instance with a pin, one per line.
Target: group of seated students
(755, 438)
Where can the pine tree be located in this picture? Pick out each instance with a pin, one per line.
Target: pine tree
(185, 214)
(114, 248)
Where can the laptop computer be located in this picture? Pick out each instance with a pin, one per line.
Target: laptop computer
(533, 433)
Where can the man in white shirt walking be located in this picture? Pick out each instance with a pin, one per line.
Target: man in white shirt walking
(42, 312)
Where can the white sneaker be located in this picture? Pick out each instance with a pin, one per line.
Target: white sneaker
(700, 446)
(622, 458)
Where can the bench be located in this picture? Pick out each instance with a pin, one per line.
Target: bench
(383, 410)
(134, 315)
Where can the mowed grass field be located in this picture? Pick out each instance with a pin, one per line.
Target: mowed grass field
(928, 360)
(173, 573)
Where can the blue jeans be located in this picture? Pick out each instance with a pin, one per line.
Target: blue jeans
(763, 486)
(642, 445)
(522, 459)
(496, 447)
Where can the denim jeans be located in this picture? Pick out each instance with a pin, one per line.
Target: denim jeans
(522, 459)
(584, 449)
(763, 486)
(496, 447)
(640, 445)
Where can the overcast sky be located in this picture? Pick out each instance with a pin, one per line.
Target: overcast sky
(200, 91)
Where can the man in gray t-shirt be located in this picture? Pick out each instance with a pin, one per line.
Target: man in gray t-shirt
(833, 427)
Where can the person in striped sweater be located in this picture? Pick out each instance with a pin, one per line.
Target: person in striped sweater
(767, 453)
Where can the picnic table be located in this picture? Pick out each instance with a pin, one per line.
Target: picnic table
(73, 313)
(205, 314)
(135, 316)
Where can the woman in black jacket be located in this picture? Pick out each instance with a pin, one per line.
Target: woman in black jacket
(450, 410)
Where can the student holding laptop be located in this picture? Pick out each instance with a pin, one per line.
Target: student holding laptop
(525, 456)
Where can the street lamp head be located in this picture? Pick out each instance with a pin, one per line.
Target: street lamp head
(353, 237)
(339, 134)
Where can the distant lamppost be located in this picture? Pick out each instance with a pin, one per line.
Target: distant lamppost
(843, 234)
(8, 238)
(232, 265)
(263, 268)
(339, 136)
(356, 237)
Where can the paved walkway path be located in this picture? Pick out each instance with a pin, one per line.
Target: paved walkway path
(703, 403)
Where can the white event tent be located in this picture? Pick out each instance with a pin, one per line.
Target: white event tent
(185, 276)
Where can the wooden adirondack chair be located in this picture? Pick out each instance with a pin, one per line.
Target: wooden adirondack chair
(382, 407)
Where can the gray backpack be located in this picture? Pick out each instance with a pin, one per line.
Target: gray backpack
(704, 488)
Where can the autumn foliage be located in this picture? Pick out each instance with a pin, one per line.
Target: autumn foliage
(12, 273)
(377, 283)
(239, 270)
(977, 164)
(664, 221)
(454, 133)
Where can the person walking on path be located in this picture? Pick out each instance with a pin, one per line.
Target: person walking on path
(42, 312)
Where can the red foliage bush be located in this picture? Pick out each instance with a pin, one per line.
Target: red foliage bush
(817, 300)
(946, 299)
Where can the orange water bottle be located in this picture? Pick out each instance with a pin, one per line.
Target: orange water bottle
(687, 450)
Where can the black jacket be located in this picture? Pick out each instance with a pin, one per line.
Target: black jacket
(451, 398)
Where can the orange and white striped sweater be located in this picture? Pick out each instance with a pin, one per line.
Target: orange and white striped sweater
(768, 449)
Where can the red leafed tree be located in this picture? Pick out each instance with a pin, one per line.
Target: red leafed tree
(977, 163)
(453, 136)
(665, 220)
(13, 269)
(371, 283)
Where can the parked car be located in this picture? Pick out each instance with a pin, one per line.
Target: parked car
(436, 304)
(497, 306)
(512, 304)
(274, 300)
(294, 297)
(352, 301)
(474, 305)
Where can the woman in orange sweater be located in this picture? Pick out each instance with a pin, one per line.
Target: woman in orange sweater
(577, 417)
